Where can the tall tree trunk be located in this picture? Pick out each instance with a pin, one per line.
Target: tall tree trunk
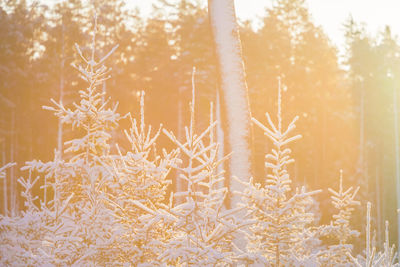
(233, 87)
(60, 124)
(397, 155)
(13, 157)
(4, 162)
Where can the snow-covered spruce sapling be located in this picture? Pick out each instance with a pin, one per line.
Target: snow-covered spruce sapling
(372, 258)
(141, 172)
(139, 176)
(92, 117)
(39, 235)
(200, 229)
(370, 250)
(389, 254)
(339, 229)
(81, 176)
(281, 215)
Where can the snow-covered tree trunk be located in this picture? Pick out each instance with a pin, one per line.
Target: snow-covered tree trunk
(233, 85)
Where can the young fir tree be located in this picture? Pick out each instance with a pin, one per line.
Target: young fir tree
(281, 215)
(76, 227)
(388, 255)
(139, 176)
(372, 258)
(339, 229)
(38, 236)
(198, 231)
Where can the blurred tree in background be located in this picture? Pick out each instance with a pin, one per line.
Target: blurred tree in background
(374, 73)
(20, 30)
(290, 46)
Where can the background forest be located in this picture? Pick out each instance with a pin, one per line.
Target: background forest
(348, 111)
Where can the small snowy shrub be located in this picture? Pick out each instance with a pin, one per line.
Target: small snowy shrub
(198, 230)
(339, 229)
(76, 226)
(281, 215)
(139, 180)
(373, 258)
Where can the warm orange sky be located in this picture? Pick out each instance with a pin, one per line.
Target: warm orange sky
(330, 14)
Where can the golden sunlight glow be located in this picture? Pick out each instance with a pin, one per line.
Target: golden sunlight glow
(172, 133)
